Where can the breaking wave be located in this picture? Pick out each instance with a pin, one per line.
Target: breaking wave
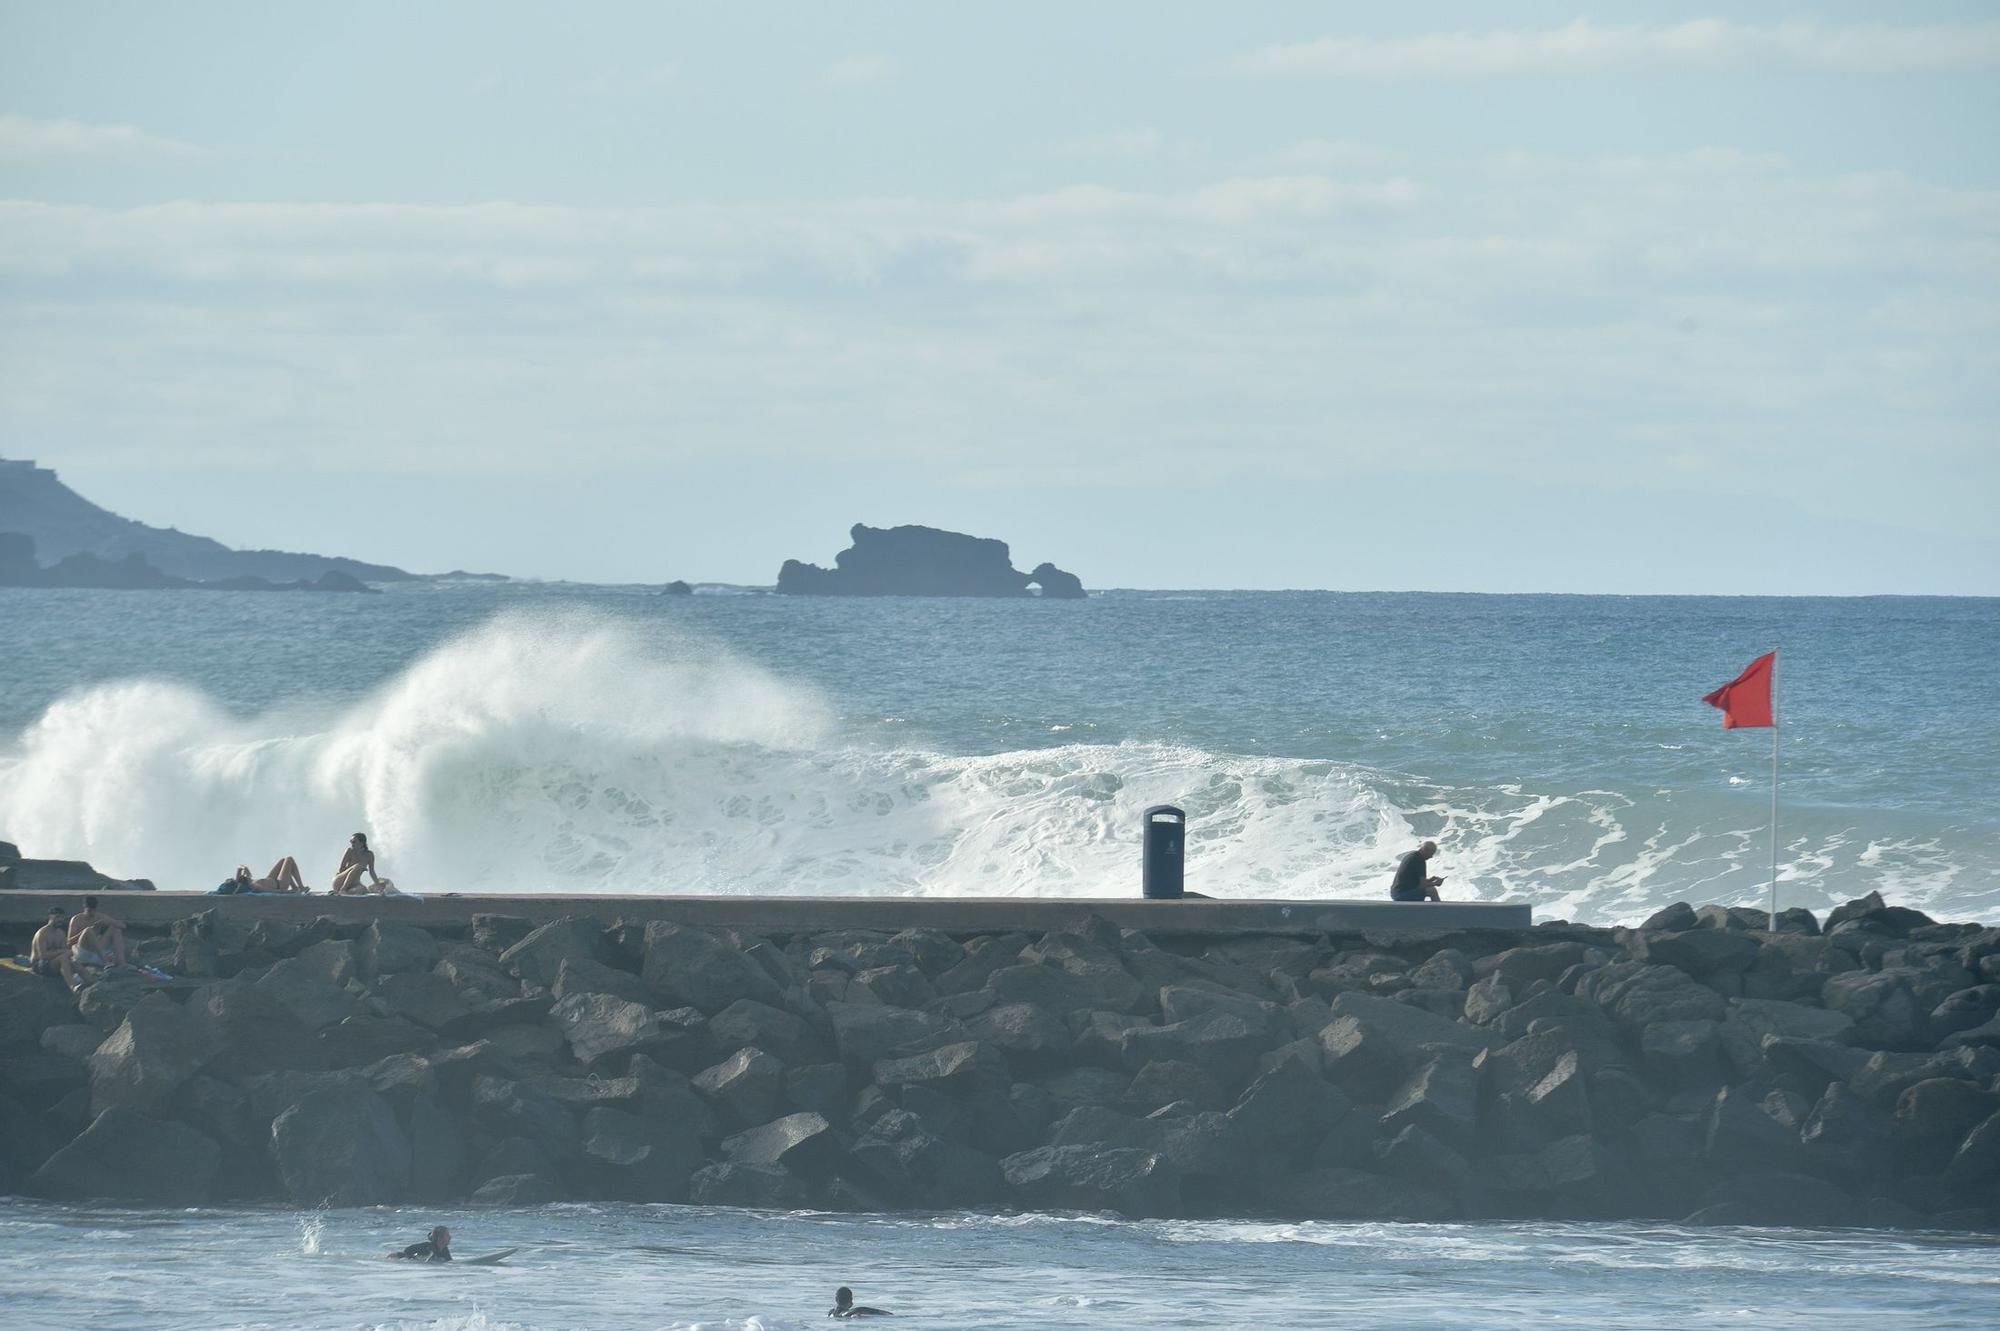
(560, 752)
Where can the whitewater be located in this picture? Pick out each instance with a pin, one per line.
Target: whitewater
(602, 739)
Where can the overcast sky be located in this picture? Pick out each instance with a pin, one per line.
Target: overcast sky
(1456, 296)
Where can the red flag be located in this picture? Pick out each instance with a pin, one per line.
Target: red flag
(1746, 700)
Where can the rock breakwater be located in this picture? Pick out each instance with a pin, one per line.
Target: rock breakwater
(1696, 1067)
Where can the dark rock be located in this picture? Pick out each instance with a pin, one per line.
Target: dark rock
(748, 1086)
(1030, 1036)
(1442, 1098)
(508, 1108)
(422, 997)
(803, 1144)
(341, 1146)
(964, 1068)
(354, 1041)
(1936, 1114)
(1742, 1133)
(477, 974)
(105, 1000)
(603, 1030)
(1288, 1106)
(517, 1190)
(785, 1037)
(30, 1004)
(693, 968)
(922, 1168)
(305, 988)
(1671, 919)
(1636, 994)
(248, 1030)
(1768, 1198)
(496, 1014)
(512, 1157)
(1699, 952)
(922, 561)
(731, 1183)
(538, 957)
(1130, 1182)
(1222, 1043)
(155, 1049)
(1968, 1008)
(1883, 1007)
(126, 1156)
(497, 933)
(1974, 1169)
(388, 948)
(581, 975)
(1751, 1020)
(1844, 1135)
(1353, 1194)
(437, 1152)
(820, 1087)
(934, 952)
(1170, 1082)
(1681, 1054)
(867, 1032)
(639, 1159)
(1574, 1176)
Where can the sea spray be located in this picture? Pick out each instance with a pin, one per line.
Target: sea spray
(569, 750)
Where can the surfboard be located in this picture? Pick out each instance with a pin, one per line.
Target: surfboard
(490, 1259)
(18, 964)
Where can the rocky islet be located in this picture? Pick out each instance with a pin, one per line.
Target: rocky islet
(1695, 1068)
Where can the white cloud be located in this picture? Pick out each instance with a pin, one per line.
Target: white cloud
(853, 71)
(1585, 47)
(26, 138)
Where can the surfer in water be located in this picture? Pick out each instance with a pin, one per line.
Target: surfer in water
(844, 1306)
(436, 1248)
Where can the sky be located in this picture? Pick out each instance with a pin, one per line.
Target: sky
(1483, 297)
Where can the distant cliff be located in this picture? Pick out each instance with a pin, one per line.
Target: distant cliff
(19, 568)
(63, 523)
(923, 561)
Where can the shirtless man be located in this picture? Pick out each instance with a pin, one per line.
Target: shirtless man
(48, 952)
(357, 861)
(97, 939)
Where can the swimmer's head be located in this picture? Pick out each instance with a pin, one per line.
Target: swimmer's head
(441, 1236)
(843, 1298)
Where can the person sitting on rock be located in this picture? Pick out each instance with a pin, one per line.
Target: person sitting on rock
(357, 861)
(436, 1248)
(284, 877)
(95, 938)
(48, 951)
(1409, 883)
(844, 1306)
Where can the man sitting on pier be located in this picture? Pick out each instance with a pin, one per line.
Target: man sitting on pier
(96, 938)
(48, 951)
(1410, 884)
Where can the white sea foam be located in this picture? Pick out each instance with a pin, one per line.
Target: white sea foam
(559, 752)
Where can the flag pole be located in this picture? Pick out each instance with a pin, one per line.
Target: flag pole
(1774, 791)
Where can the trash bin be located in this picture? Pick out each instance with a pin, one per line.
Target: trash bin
(1164, 860)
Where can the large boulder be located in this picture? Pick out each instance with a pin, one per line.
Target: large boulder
(1031, 1036)
(1699, 952)
(1223, 1044)
(639, 1159)
(733, 1183)
(1966, 1010)
(1088, 1178)
(788, 1038)
(155, 1049)
(1636, 994)
(693, 968)
(804, 1144)
(603, 1029)
(425, 997)
(1751, 1020)
(1883, 1006)
(1205, 1146)
(919, 1168)
(247, 1030)
(312, 995)
(126, 1156)
(1777, 1198)
(1441, 1097)
(388, 948)
(438, 1151)
(341, 1146)
(867, 1032)
(1935, 1115)
(748, 1086)
(960, 1069)
(29, 1005)
(1289, 1106)
(538, 957)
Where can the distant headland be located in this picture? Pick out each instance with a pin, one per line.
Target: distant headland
(923, 561)
(89, 546)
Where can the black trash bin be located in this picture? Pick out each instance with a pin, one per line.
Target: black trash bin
(1164, 858)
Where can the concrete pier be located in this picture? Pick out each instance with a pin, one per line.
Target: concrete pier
(767, 914)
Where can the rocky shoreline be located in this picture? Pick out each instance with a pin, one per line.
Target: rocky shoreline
(1694, 1068)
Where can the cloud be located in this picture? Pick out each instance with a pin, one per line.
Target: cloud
(26, 138)
(859, 69)
(1585, 47)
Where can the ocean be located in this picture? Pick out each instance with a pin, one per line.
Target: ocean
(573, 738)
(518, 737)
(677, 1268)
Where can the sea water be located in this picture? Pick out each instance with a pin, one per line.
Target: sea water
(566, 738)
(576, 739)
(599, 1268)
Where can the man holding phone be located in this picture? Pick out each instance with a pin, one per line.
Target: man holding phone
(1410, 884)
